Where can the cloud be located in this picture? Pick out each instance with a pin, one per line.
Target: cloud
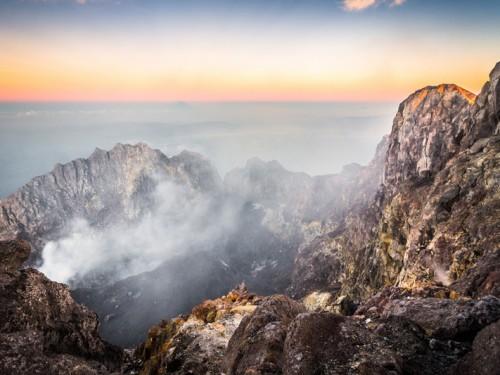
(358, 5)
(397, 2)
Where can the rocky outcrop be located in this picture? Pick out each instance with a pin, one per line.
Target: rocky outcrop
(426, 133)
(42, 329)
(108, 187)
(397, 334)
(433, 220)
(484, 359)
(442, 318)
(257, 345)
(195, 343)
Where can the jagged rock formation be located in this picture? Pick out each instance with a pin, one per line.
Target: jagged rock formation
(434, 219)
(108, 187)
(395, 332)
(42, 329)
(196, 343)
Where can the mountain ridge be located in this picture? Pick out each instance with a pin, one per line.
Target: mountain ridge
(403, 279)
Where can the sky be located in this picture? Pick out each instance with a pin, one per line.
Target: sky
(235, 50)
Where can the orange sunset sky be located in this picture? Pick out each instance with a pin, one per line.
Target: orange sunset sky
(68, 50)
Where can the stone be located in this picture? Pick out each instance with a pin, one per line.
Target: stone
(13, 254)
(42, 329)
(257, 344)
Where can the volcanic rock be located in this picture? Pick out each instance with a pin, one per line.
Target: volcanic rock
(42, 329)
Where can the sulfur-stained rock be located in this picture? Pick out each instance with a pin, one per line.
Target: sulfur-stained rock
(108, 187)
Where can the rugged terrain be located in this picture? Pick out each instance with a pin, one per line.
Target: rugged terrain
(249, 228)
(435, 217)
(42, 329)
(392, 268)
(406, 282)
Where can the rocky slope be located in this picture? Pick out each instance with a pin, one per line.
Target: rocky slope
(395, 332)
(435, 218)
(42, 329)
(195, 343)
(412, 336)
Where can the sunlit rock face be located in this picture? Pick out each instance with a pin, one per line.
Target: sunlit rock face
(426, 132)
(42, 329)
(434, 220)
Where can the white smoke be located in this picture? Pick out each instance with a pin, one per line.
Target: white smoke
(441, 275)
(182, 220)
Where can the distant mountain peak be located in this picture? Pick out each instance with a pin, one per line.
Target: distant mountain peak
(106, 186)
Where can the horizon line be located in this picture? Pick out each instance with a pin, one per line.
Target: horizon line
(233, 101)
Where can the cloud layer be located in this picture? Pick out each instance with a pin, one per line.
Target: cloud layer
(357, 5)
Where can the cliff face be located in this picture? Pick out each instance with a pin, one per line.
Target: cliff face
(108, 187)
(434, 218)
(42, 329)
